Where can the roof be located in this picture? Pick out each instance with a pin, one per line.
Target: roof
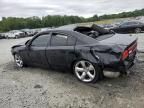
(70, 30)
(70, 27)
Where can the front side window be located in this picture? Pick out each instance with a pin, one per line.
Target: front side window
(59, 40)
(41, 41)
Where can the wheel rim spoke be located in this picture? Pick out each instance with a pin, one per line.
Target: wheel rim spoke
(90, 67)
(83, 64)
(83, 76)
(21, 62)
(90, 75)
(79, 69)
(18, 61)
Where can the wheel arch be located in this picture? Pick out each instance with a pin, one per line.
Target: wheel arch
(92, 61)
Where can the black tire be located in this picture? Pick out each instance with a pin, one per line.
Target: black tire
(95, 74)
(19, 61)
(7, 37)
(16, 37)
(138, 30)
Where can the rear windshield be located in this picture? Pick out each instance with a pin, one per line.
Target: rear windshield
(94, 31)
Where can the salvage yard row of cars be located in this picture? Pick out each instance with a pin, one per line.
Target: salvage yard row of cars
(14, 34)
(124, 27)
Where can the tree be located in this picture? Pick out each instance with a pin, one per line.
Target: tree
(13, 23)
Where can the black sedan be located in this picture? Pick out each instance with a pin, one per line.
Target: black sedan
(88, 51)
(129, 27)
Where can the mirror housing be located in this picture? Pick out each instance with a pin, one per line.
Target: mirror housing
(28, 43)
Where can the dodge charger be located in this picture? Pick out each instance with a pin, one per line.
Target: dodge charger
(88, 51)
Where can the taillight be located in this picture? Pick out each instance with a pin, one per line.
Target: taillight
(129, 51)
(125, 54)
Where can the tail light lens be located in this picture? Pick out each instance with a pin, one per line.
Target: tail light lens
(129, 51)
(125, 54)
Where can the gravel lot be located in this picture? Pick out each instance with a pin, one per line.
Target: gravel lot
(40, 88)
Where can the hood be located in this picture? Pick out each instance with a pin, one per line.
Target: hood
(119, 39)
(20, 44)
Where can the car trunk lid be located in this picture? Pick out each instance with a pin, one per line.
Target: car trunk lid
(119, 39)
(128, 43)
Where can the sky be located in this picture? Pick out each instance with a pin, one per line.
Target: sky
(85, 8)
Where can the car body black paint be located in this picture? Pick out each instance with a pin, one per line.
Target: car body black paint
(105, 52)
(128, 27)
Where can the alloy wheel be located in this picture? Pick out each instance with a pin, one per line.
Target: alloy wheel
(19, 61)
(85, 71)
(138, 30)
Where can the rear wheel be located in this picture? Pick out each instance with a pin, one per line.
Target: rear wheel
(86, 72)
(138, 30)
(18, 60)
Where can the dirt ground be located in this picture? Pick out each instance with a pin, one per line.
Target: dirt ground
(40, 88)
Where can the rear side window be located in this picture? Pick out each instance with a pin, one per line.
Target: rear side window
(134, 23)
(129, 23)
(71, 41)
(41, 41)
(59, 40)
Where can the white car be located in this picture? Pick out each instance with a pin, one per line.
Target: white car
(15, 34)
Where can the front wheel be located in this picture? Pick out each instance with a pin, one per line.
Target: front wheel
(18, 60)
(16, 37)
(86, 71)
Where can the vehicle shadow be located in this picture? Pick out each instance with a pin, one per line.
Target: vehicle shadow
(67, 77)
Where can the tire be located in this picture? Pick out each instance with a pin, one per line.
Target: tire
(7, 37)
(86, 71)
(18, 60)
(138, 30)
(16, 37)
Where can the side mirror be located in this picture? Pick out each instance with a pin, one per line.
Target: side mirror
(27, 43)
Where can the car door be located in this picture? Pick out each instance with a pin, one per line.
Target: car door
(60, 53)
(124, 27)
(36, 51)
(135, 25)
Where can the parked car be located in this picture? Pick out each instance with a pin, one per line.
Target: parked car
(35, 31)
(129, 27)
(2, 36)
(28, 32)
(45, 29)
(15, 34)
(108, 26)
(88, 51)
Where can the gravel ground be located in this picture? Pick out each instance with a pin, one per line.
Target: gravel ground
(40, 88)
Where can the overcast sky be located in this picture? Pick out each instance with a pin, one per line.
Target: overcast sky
(86, 8)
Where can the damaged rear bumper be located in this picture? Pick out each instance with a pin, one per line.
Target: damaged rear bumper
(122, 69)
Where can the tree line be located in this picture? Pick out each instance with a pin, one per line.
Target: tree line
(13, 23)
